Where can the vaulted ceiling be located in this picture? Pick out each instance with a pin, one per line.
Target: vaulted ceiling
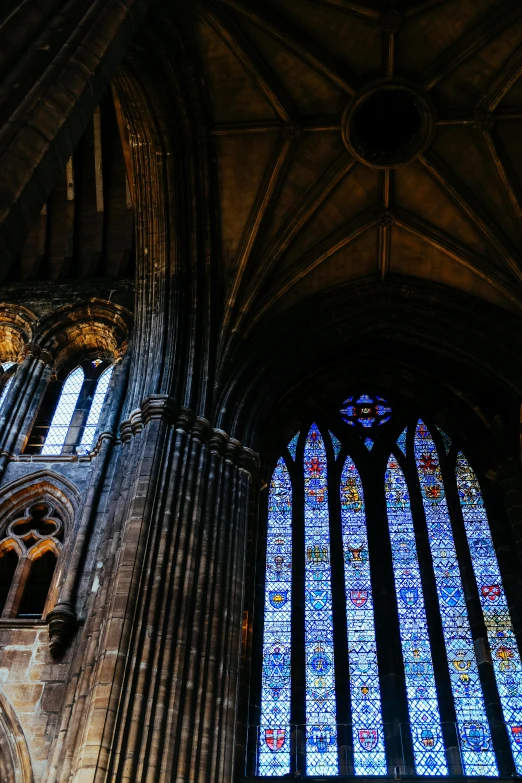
(299, 214)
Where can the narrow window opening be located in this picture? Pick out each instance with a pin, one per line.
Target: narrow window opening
(37, 586)
(8, 565)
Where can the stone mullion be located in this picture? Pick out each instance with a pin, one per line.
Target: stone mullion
(207, 751)
(132, 719)
(103, 710)
(78, 693)
(207, 569)
(17, 587)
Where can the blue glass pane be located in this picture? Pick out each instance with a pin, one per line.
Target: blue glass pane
(473, 728)
(504, 649)
(368, 739)
(336, 444)
(428, 748)
(292, 446)
(321, 731)
(63, 414)
(401, 441)
(274, 742)
(86, 442)
(368, 442)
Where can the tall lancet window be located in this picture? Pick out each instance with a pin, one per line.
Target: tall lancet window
(321, 733)
(421, 692)
(501, 637)
(274, 750)
(370, 663)
(368, 735)
(63, 414)
(474, 733)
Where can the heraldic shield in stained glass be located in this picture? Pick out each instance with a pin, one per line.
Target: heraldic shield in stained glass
(428, 747)
(367, 728)
(321, 729)
(365, 411)
(274, 742)
(504, 650)
(474, 733)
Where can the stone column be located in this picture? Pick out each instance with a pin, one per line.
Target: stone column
(161, 702)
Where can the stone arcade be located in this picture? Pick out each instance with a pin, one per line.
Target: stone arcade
(225, 217)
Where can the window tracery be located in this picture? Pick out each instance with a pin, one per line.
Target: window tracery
(427, 737)
(29, 550)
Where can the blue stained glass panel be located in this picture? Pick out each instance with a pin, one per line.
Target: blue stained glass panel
(428, 748)
(321, 729)
(368, 442)
(474, 733)
(336, 444)
(504, 649)
(401, 441)
(274, 740)
(367, 727)
(292, 446)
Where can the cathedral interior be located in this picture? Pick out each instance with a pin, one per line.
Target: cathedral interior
(260, 390)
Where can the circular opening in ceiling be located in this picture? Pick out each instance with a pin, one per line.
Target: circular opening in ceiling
(387, 121)
(388, 124)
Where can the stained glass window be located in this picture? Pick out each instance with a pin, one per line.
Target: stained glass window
(274, 744)
(321, 730)
(5, 390)
(102, 386)
(425, 725)
(502, 641)
(63, 414)
(367, 728)
(336, 444)
(365, 411)
(292, 446)
(401, 441)
(474, 733)
(368, 442)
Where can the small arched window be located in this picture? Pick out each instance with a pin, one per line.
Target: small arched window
(28, 554)
(6, 379)
(70, 414)
(387, 639)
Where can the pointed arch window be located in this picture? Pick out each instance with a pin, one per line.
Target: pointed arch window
(335, 699)
(76, 415)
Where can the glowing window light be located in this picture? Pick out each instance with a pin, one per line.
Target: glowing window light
(367, 727)
(102, 386)
(321, 729)
(504, 650)
(63, 414)
(5, 390)
(474, 733)
(428, 747)
(274, 746)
